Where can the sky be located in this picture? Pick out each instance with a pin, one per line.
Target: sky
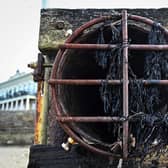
(105, 3)
(19, 27)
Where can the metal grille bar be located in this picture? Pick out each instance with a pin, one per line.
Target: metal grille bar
(111, 46)
(125, 82)
(125, 46)
(90, 119)
(100, 81)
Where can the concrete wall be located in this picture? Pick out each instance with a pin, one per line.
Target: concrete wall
(16, 128)
(50, 35)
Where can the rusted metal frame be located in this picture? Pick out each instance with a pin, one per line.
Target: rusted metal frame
(45, 95)
(73, 134)
(155, 82)
(148, 47)
(90, 119)
(114, 119)
(54, 89)
(100, 81)
(41, 110)
(37, 135)
(34, 65)
(80, 30)
(83, 143)
(125, 83)
(70, 131)
(87, 46)
(147, 21)
(76, 34)
(83, 82)
(111, 46)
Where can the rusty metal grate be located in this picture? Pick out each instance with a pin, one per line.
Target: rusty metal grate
(55, 80)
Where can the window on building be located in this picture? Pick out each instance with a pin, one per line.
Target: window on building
(14, 105)
(19, 104)
(32, 104)
(9, 106)
(5, 106)
(10, 93)
(24, 104)
(1, 95)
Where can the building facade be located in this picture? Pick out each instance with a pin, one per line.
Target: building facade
(18, 93)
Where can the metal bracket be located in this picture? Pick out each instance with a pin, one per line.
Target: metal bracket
(39, 68)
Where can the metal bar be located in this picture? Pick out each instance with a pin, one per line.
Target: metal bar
(155, 82)
(87, 46)
(148, 47)
(100, 81)
(80, 30)
(34, 65)
(147, 21)
(141, 19)
(83, 81)
(47, 65)
(41, 111)
(111, 46)
(59, 111)
(45, 95)
(90, 119)
(39, 102)
(125, 82)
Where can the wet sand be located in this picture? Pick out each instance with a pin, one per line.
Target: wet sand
(14, 156)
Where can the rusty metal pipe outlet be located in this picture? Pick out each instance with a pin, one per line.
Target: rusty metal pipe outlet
(106, 85)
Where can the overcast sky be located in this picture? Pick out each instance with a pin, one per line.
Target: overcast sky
(105, 3)
(19, 27)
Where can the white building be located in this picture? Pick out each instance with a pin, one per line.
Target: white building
(18, 93)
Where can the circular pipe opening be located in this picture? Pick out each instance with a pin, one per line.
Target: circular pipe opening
(86, 100)
(80, 100)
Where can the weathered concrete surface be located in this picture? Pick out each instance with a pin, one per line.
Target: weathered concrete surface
(14, 156)
(16, 128)
(50, 36)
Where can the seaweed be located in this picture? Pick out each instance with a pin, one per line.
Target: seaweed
(151, 130)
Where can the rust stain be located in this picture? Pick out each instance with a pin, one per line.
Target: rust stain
(39, 106)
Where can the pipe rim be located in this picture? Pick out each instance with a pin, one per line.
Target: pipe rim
(56, 73)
